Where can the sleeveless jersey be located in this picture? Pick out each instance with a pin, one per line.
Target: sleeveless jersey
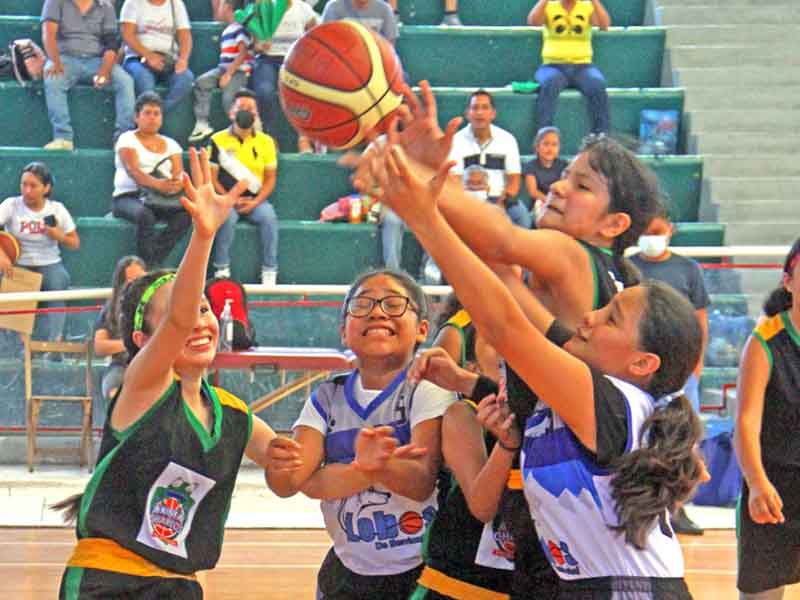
(375, 532)
(567, 36)
(564, 486)
(462, 322)
(781, 419)
(163, 487)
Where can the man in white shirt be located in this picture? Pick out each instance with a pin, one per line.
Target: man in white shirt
(494, 149)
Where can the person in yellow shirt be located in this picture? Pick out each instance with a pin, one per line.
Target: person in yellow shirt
(244, 152)
(567, 58)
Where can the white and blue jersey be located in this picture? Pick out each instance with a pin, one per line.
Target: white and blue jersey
(569, 494)
(375, 532)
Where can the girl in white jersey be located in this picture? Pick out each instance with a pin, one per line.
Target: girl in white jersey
(598, 432)
(360, 437)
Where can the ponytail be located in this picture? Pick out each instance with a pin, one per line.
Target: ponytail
(780, 299)
(70, 506)
(662, 473)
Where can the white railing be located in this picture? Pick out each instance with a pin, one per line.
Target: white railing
(341, 290)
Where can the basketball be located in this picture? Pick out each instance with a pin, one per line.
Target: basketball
(340, 81)
(9, 245)
(411, 522)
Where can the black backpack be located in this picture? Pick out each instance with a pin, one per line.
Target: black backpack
(220, 289)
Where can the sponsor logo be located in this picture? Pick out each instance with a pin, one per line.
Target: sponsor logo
(559, 555)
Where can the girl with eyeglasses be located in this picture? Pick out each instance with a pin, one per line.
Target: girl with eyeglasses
(154, 512)
(370, 445)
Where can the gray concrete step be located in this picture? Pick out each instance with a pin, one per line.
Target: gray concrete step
(679, 35)
(762, 233)
(756, 120)
(734, 55)
(715, 4)
(742, 188)
(743, 76)
(750, 166)
(723, 142)
(735, 97)
(746, 211)
(744, 14)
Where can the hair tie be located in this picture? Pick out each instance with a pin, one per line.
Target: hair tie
(138, 316)
(664, 400)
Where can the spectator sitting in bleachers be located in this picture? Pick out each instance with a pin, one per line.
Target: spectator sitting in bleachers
(298, 18)
(546, 167)
(657, 261)
(241, 152)
(494, 149)
(158, 40)
(567, 57)
(231, 75)
(80, 38)
(375, 14)
(40, 226)
(107, 334)
(450, 13)
(136, 155)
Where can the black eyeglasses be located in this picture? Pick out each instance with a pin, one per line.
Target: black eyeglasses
(392, 306)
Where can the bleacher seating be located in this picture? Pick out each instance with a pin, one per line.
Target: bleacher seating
(491, 51)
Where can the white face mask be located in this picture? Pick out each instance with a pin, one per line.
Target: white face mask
(479, 194)
(653, 245)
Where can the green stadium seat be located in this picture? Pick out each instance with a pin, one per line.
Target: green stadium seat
(624, 13)
(468, 56)
(306, 183)
(93, 115)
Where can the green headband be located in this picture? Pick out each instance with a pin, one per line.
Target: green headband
(138, 316)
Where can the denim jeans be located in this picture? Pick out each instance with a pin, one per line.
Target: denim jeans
(553, 78)
(392, 230)
(152, 246)
(264, 218)
(519, 213)
(82, 70)
(207, 83)
(692, 391)
(264, 82)
(112, 380)
(144, 79)
(54, 278)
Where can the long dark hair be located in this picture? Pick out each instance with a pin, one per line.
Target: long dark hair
(632, 189)
(450, 307)
(118, 282)
(780, 299)
(664, 470)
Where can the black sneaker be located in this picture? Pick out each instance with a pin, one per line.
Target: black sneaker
(681, 523)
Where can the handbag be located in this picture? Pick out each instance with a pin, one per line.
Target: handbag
(156, 199)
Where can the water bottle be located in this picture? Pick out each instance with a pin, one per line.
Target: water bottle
(225, 343)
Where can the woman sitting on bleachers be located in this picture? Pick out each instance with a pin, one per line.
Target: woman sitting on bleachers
(107, 334)
(158, 40)
(139, 155)
(40, 226)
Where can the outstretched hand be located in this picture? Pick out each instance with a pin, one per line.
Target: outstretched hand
(283, 455)
(437, 366)
(208, 209)
(496, 417)
(374, 448)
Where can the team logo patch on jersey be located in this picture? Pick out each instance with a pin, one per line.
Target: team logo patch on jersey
(496, 548)
(559, 555)
(367, 517)
(171, 506)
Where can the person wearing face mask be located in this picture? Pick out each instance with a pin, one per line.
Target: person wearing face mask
(656, 261)
(243, 152)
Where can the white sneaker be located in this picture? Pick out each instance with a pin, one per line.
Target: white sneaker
(60, 144)
(269, 277)
(223, 272)
(451, 20)
(201, 131)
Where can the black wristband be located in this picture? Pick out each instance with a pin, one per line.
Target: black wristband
(483, 387)
(506, 448)
(558, 333)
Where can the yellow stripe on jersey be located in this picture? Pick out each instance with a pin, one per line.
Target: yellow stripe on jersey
(769, 327)
(228, 399)
(514, 481)
(107, 555)
(438, 582)
(460, 319)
